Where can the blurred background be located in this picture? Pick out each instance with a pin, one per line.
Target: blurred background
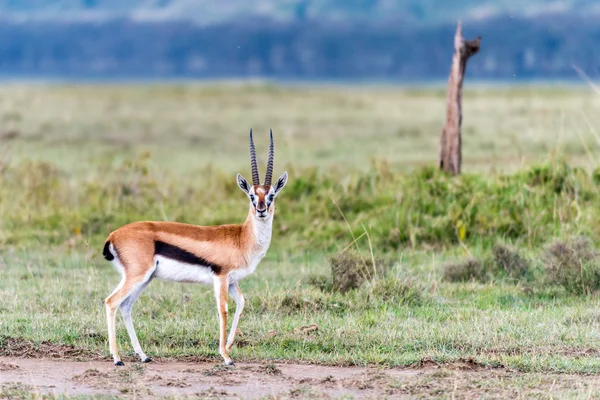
(340, 82)
(330, 40)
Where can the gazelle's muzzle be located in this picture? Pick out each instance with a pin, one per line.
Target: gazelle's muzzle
(261, 209)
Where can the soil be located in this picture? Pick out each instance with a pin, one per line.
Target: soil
(173, 378)
(271, 380)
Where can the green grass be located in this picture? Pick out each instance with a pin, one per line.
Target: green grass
(76, 170)
(189, 126)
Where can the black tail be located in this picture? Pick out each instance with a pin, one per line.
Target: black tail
(106, 252)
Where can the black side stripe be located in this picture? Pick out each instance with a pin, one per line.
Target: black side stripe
(178, 254)
(106, 252)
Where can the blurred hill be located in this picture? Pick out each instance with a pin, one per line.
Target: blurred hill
(296, 39)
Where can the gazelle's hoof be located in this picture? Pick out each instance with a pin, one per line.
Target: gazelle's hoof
(147, 360)
(119, 363)
(229, 363)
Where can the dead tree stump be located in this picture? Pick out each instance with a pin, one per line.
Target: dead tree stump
(450, 140)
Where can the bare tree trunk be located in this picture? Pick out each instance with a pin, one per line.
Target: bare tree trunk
(450, 140)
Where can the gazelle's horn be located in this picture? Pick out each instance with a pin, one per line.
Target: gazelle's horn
(255, 176)
(269, 174)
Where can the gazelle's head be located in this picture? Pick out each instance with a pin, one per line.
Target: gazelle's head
(262, 197)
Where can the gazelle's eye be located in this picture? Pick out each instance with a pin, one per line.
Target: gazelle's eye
(271, 198)
(252, 198)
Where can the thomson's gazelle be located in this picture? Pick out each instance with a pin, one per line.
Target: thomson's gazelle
(216, 255)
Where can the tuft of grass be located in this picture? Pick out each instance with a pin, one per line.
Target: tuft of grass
(301, 302)
(321, 282)
(503, 262)
(510, 262)
(470, 269)
(350, 270)
(218, 369)
(271, 369)
(396, 291)
(574, 265)
(18, 390)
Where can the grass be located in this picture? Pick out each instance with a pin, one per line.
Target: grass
(75, 169)
(189, 126)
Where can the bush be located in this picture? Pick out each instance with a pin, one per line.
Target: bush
(503, 262)
(574, 265)
(509, 262)
(349, 270)
(466, 270)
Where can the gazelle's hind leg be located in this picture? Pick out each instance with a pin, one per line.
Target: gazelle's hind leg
(129, 285)
(125, 308)
(110, 321)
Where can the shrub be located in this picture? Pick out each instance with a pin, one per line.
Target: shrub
(465, 270)
(510, 262)
(574, 265)
(349, 270)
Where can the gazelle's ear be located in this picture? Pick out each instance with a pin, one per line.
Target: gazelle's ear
(281, 181)
(243, 183)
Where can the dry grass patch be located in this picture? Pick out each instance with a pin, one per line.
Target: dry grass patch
(573, 264)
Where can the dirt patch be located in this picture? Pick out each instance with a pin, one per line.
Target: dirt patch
(307, 329)
(157, 379)
(6, 366)
(466, 379)
(93, 378)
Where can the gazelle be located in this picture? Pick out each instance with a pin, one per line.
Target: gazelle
(216, 255)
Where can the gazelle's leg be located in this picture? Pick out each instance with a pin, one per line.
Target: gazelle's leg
(238, 297)
(110, 321)
(221, 285)
(122, 292)
(125, 308)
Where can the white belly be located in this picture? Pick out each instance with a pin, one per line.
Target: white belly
(172, 270)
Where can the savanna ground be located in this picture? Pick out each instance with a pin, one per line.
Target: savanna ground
(394, 279)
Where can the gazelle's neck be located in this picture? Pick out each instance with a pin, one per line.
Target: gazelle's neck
(259, 230)
(258, 233)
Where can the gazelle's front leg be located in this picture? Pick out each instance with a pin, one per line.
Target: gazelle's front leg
(238, 297)
(221, 285)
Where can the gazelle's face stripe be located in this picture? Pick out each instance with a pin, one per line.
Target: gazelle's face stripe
(262, 198)
(178, 254)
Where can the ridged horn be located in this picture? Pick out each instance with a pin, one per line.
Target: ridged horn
(269, 174)
(255, 176)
